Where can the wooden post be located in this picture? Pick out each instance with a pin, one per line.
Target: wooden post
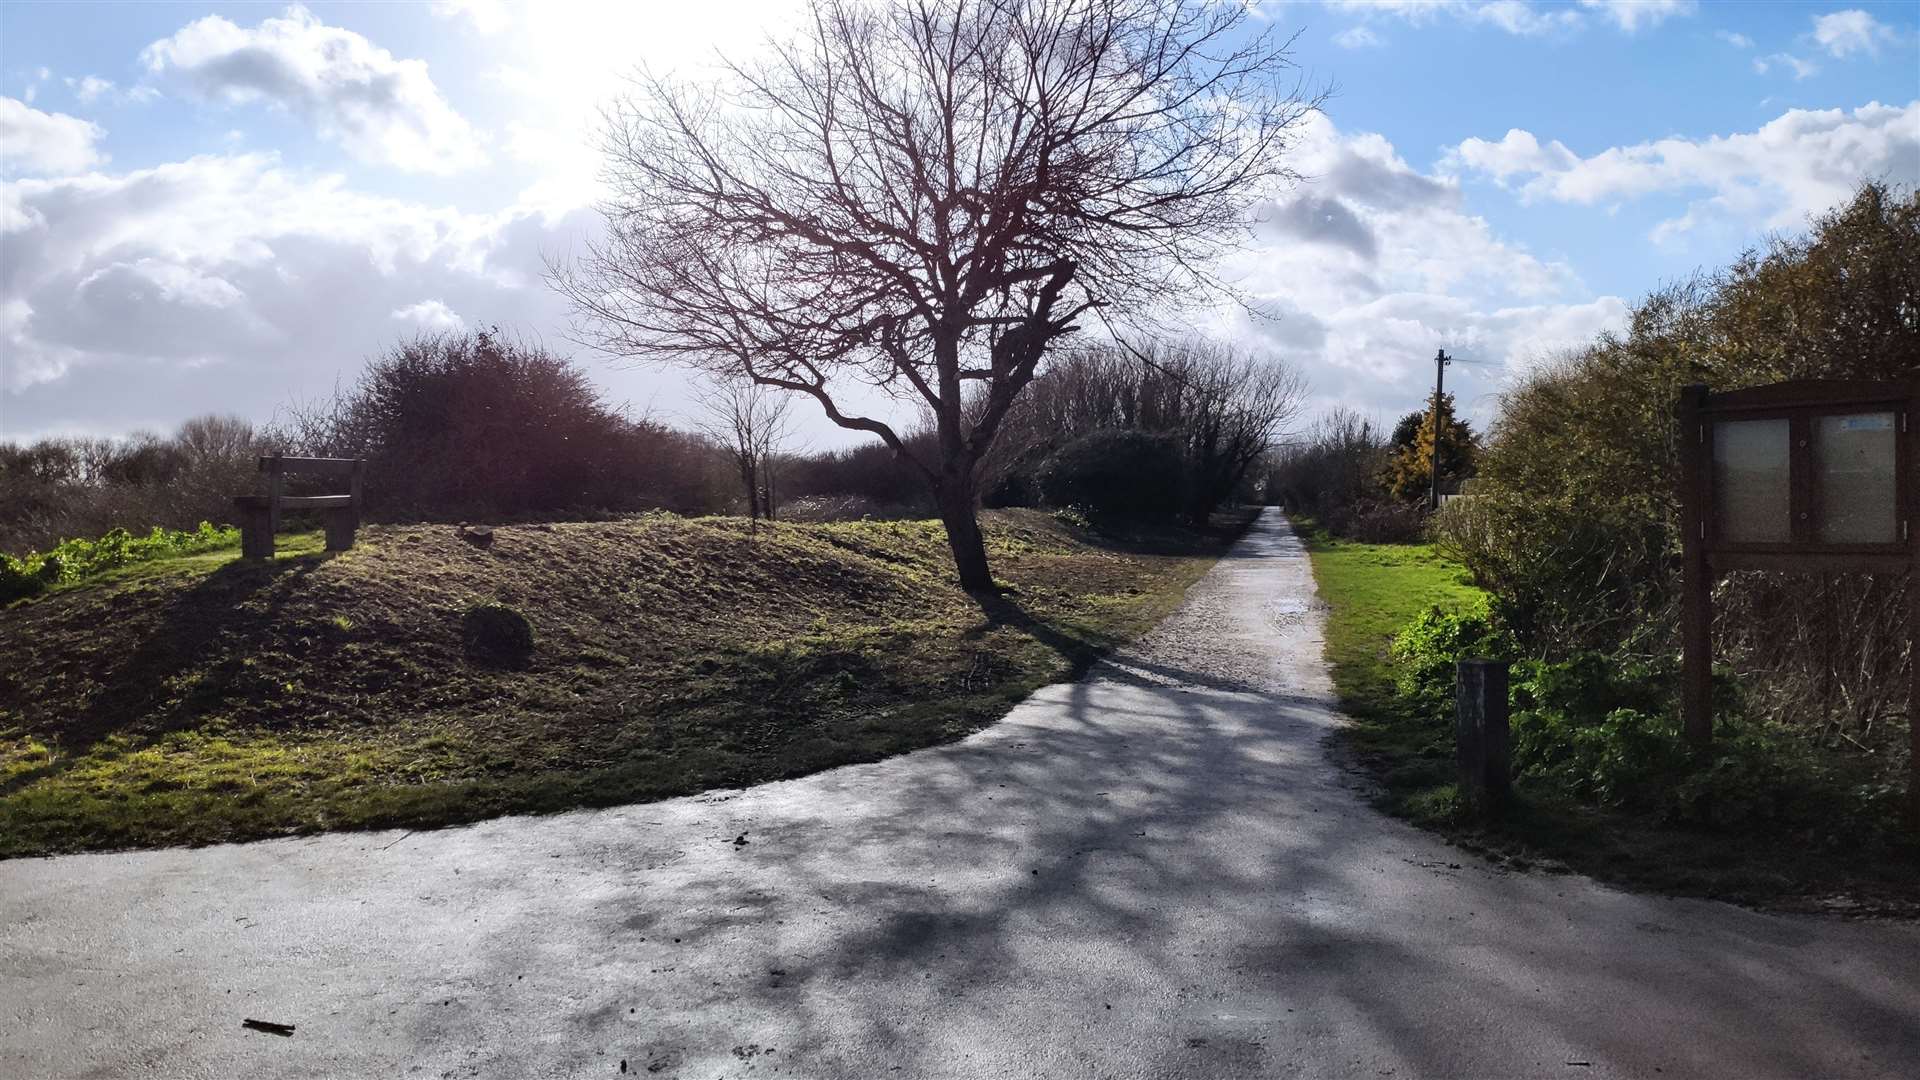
(1913, 684)
(256, 532)
(276, 481)
(1696, 577)
(1904, 470)
(340, 529)
(1481, 732)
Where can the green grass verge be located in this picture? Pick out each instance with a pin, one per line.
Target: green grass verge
(1371, 591)
(205, 698)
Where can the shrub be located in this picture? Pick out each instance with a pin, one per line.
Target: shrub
(25, 577)
(476, 425)
(1118, 472)
(1424, 653)
(870, 474)
(496, 634)
(77, 560)
(1596, 729)
(1377, 521)
(1626, 757)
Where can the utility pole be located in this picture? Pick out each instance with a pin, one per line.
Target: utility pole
(1440, 362)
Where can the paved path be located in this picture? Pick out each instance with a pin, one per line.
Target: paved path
(1154, 873)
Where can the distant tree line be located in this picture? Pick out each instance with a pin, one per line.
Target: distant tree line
(1359, 481)
(1168, 428)
(478, 426)
(58, 489)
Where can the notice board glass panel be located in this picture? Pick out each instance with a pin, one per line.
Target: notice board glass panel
(1752, 481)
(1853, 463)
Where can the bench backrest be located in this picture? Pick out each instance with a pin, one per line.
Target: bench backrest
(278, 467)
(312, 466)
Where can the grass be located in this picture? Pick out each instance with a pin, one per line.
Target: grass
(1371, 591)
(204, 698)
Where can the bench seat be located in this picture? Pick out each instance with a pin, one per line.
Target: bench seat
(294, 502)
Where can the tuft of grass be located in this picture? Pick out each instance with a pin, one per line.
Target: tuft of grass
(1372, 591)
(204, 698)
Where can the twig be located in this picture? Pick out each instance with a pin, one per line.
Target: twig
(285, 1031)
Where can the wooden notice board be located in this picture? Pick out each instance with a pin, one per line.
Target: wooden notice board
(1799, 477)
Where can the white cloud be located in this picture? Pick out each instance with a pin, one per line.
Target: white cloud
(1802, 69)
(1514, 16)
(1633, 15)
(430, 315)
(32, 91)
(1734, 38)
(90, 88)
(1358, 37)
(486, 16)
(279, 279)
(1518, 17)
(381, 109)
(1802, 162)
(569, 60)
(1517, 153)
(1843, 33)
(1524, 17)
(1360, 273)
(32, 141)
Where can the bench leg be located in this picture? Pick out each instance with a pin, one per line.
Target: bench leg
(340, 528)
(256, 533)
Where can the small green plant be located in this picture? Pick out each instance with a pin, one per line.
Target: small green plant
(1625, 758)
(78, 559)
(1425, 650)
(496, 634)
(1073, 517)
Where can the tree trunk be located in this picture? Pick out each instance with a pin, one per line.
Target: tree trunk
(960, 515)
(751, 483)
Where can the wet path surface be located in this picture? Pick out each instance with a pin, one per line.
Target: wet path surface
(1152, 873)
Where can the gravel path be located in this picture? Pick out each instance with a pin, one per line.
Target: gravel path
(1151, 873)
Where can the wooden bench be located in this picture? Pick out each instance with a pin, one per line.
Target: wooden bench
(260, 514)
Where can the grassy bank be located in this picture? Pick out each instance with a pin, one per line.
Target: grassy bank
(205, 698)
(1373, 590)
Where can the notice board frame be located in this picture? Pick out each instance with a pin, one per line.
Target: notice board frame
(1708, 552)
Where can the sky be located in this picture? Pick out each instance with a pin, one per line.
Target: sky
(231, 207)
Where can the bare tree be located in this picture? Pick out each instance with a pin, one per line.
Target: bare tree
(1232, 408)
(751, 424)
(921, 196)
